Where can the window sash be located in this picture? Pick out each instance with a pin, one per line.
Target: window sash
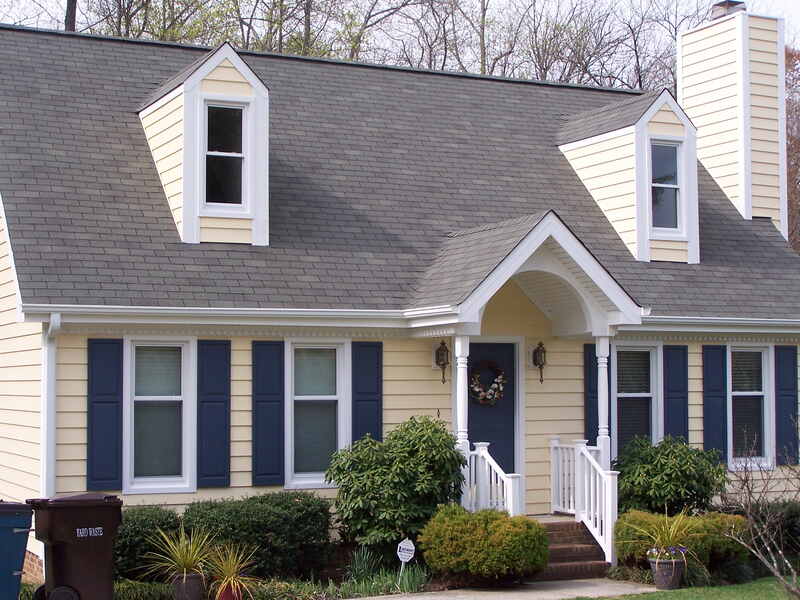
(240, 155)
(764, 439)
(671, 186)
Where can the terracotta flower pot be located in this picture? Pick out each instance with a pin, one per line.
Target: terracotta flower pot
(229, 594)
(190, 587)
(667, 574)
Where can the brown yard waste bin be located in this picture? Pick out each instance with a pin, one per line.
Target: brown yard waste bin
(78, 534)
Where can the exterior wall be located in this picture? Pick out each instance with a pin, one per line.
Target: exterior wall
(20, 391)
(665, 122)
(226, 79)
(232, 231)
(669, 250)
(608, 170)
(164, 131)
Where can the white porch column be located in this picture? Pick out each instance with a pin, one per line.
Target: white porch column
(462, 392)
(603, 438)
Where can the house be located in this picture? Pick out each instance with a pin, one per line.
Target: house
(217, 267)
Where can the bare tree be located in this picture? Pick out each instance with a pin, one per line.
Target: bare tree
(70, 15)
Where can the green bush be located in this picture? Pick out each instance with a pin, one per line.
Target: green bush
(131, 543)
(388, 490)
(137, 590)
(669, 476)
(782, 517)
(484, 546)
(291, 530)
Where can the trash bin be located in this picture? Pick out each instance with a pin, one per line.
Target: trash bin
(15, 524)
(78, 534)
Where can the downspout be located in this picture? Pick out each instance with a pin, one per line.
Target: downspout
(48, 408)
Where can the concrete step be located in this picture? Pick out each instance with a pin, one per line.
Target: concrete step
(583, 569)
(561, 553)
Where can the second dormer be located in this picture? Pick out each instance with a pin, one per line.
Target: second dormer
(638, 160)
(207, 129)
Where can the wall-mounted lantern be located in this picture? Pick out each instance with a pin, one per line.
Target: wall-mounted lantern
(540, 360)
(443, 359)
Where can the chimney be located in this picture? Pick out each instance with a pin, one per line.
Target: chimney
(731, 84)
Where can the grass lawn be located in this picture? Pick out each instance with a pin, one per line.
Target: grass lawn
(763, 589)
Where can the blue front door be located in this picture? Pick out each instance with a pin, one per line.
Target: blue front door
(488, 421)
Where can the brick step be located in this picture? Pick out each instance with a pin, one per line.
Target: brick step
(561, 553)
(584, 569)
(571, 539)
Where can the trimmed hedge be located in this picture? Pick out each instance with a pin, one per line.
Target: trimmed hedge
(291, 530)
(123, 590)
(484, 546)
(130, 545)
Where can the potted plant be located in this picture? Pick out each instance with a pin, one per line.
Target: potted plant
(182, 560)
(227, 567)
(670, 537)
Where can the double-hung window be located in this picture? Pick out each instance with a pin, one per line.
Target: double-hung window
(665, 186)
(750, 403)
(320, 410)
(635, 380)
(225, 157)
(159, 410)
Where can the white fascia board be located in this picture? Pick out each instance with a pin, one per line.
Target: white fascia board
(665, 98)
(661, 323)
(610, 135)
(745, 201)
(226, 51)
(161, 102)
(782, 169)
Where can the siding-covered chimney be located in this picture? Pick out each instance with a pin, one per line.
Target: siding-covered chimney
(731, 84)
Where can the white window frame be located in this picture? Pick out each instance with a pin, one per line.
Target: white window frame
(656, 350)
(344, 407)
(767, 383)
(187, 482)
(668, 233)
(219, 209)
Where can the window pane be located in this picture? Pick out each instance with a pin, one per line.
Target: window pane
(315, 372)
(633, 372)
(158, 371)
(746, 371)
(157, 439)
(748, 425)
(314, 435)
(665, 164)
(633, 420)
(224, 129)
(665, 207)
(224, 179)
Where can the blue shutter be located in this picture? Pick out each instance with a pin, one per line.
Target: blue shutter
(786, 404)
(268, 390)
(676, 391)
(367, 390)
(715, 399)
(104, 418)
(591, 420)
(213, 413)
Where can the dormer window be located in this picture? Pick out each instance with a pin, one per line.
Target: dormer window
(224, 154)
(665, 187)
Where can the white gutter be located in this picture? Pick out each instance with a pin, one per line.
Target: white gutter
(47, 462)
(714, 324)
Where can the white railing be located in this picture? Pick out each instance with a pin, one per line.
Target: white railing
(580, 486)
(486, 485)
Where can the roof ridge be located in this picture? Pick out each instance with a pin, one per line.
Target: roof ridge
(535, 217)
(316, 59)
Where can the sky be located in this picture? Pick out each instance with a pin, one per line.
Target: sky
(788, 9)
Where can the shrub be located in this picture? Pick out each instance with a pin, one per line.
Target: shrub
(669, 476)
(483, 546)
(290, 530)
(124, 589)
(388, 490)
(139, 523)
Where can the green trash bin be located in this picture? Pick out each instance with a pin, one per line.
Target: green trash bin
(78, 534)
(15, 524)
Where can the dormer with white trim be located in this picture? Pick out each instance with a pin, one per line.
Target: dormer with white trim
(638, 160)
(207, 129)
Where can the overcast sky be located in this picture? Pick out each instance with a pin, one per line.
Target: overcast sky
(788, 9)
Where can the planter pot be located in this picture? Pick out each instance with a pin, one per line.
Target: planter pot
(190, 587)
(667, 574)
(228, 594)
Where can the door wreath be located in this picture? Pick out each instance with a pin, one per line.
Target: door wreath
(482, 394)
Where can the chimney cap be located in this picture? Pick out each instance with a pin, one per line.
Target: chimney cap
(727, 7)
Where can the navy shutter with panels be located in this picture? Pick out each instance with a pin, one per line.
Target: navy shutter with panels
(213, 413)
(715, 399)
(786, 405)
(367, 390)
(104, 418)
(676, 391)
(268, 417)
(591, 419)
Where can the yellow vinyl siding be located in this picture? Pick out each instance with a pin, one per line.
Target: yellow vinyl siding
(226, 79)
(665, 122)
(669, 250)
(765, 116)
(608, 170)
(20, 390)
(163, 128)
(232, 231)
(710, 96)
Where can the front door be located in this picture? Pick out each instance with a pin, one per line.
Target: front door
(491, 416)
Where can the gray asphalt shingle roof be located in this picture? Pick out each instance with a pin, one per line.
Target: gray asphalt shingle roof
(370, 169)
(607, 118)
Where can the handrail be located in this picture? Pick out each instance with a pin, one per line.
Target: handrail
(486, 485)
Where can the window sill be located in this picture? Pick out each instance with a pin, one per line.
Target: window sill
(226, 212)
(670, 235)
(308, 484)
(166, 486)
(751, 464)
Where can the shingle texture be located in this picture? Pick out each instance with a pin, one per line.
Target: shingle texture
(606, 118)
(370, 169)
